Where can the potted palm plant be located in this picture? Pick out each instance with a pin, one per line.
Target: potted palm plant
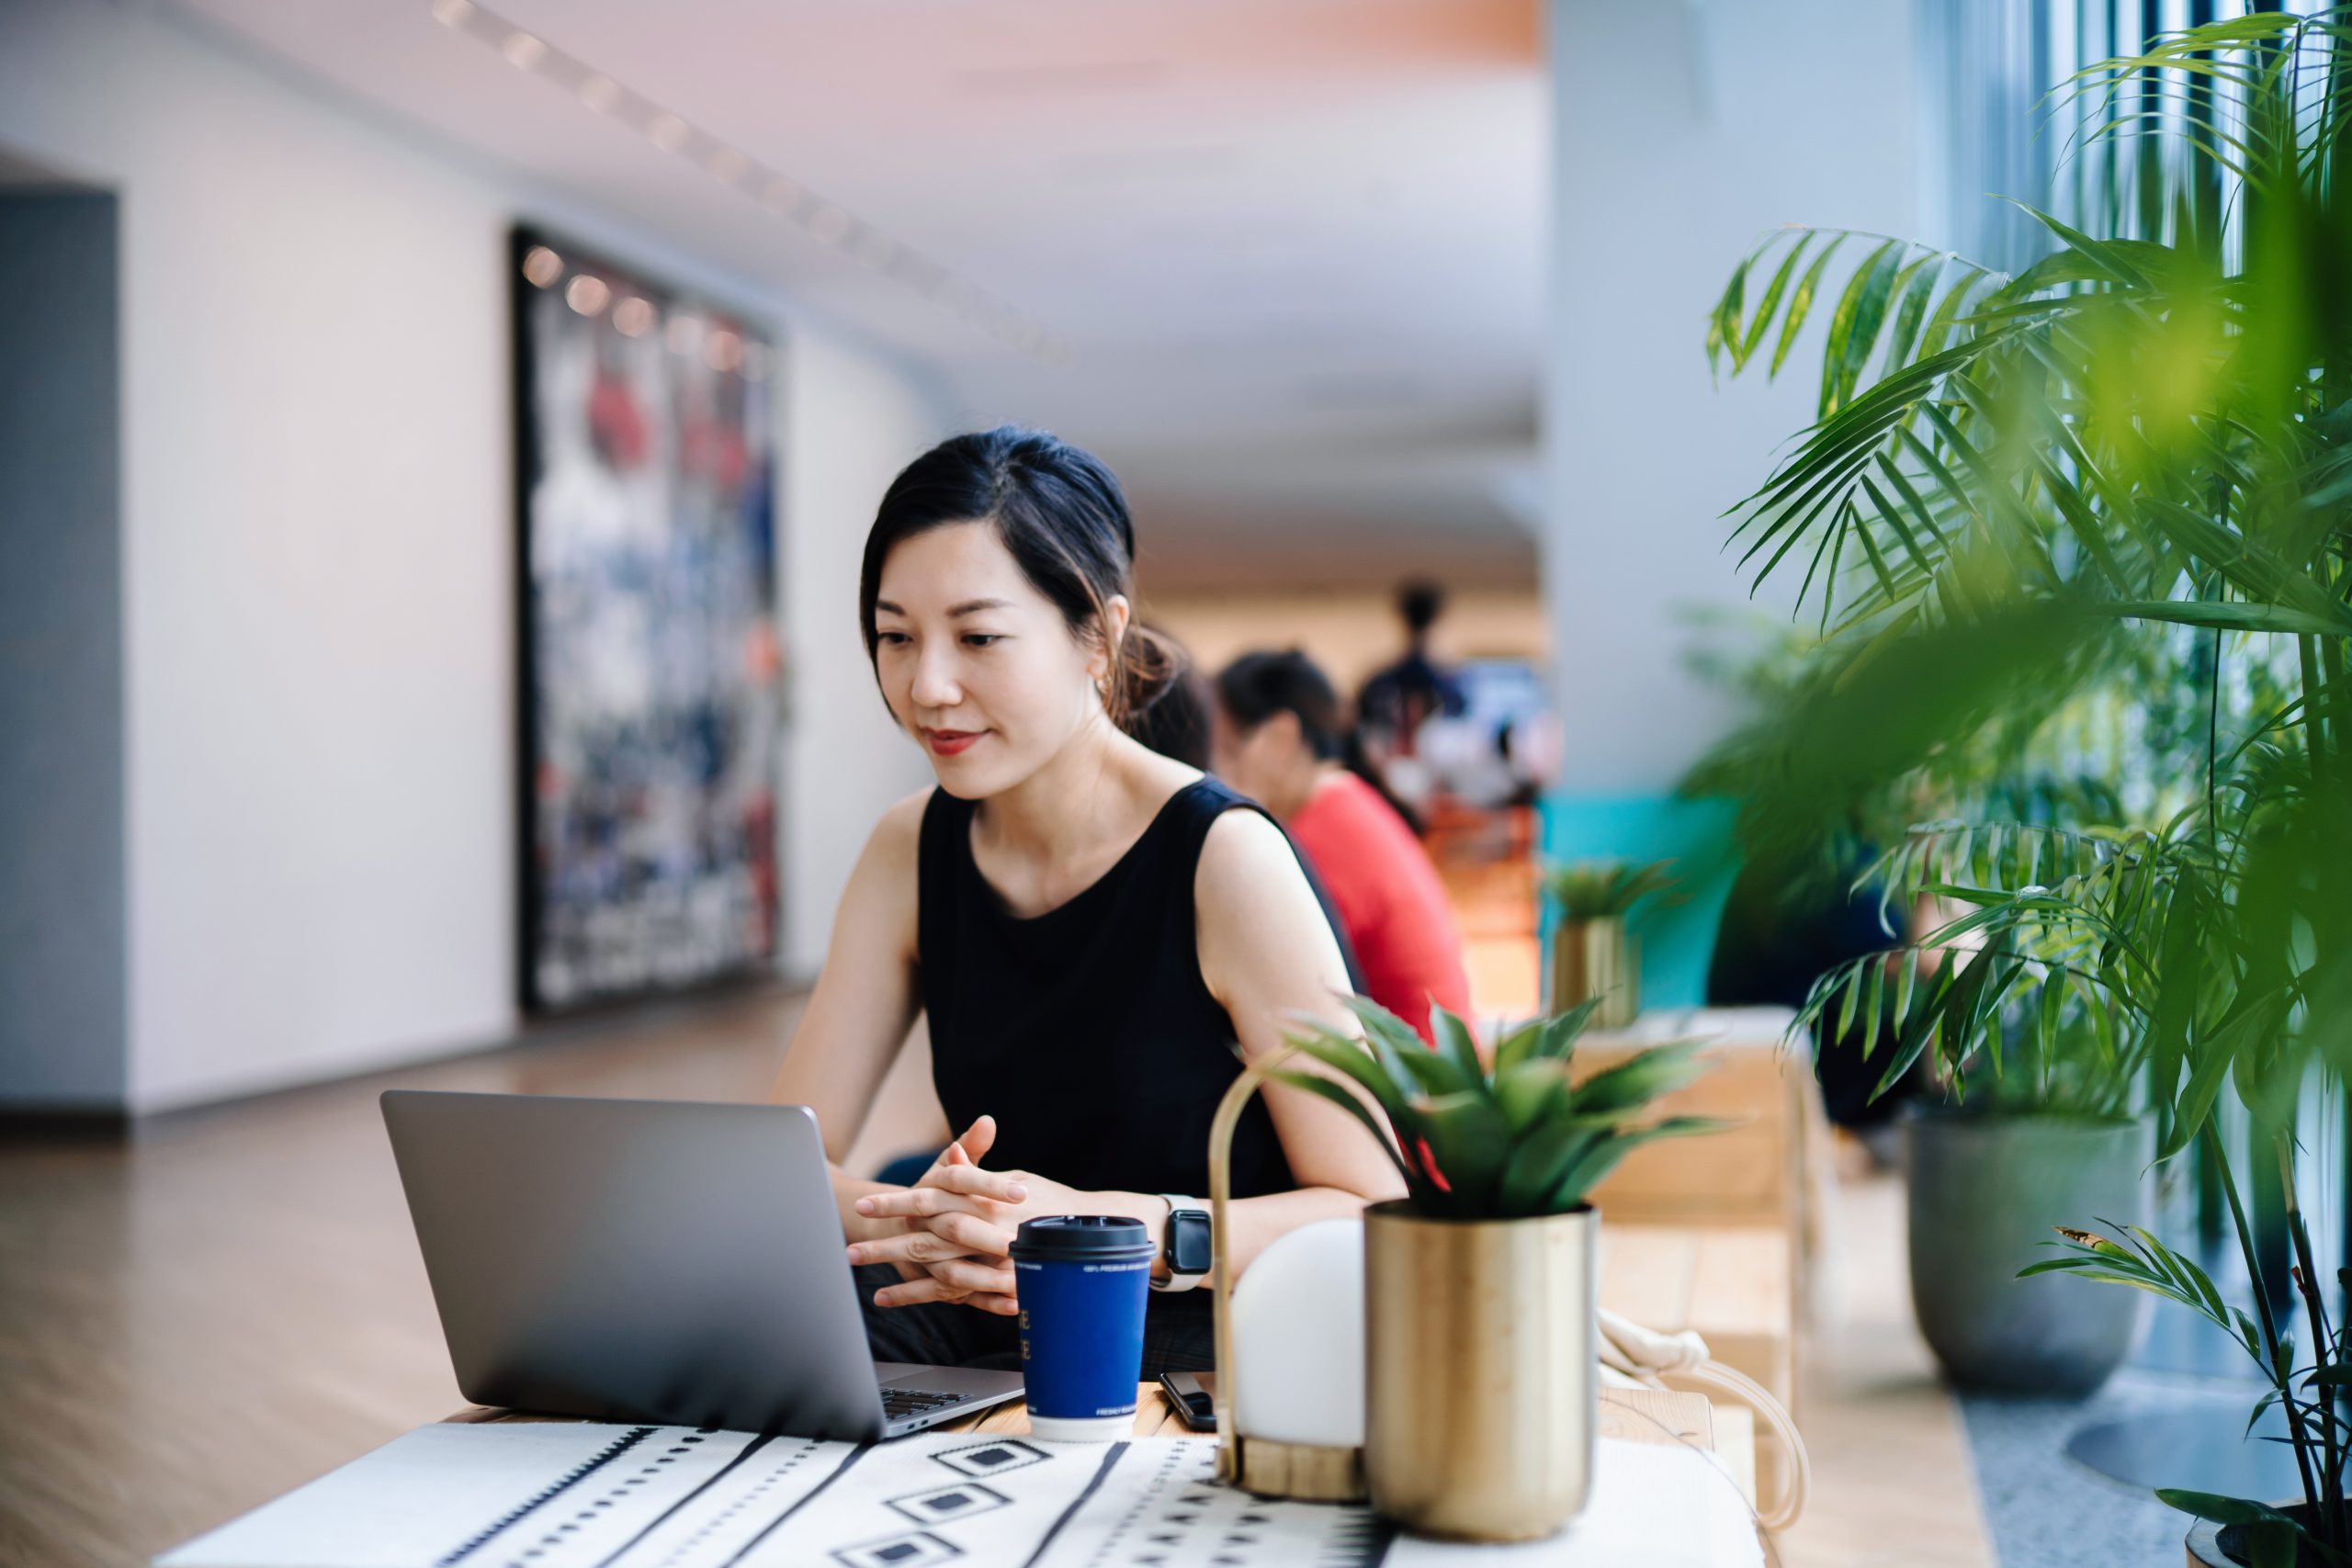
(2019, 483)
(1479, 1332)
(1592, 952)
(2037, 1123)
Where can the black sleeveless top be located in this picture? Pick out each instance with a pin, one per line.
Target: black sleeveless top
(1087, 1032)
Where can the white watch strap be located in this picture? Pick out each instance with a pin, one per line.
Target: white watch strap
(1176, 1282)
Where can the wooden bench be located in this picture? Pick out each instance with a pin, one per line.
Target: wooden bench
(1730, 1285)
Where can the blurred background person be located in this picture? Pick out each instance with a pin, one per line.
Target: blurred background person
(1278, 737)
(1399, 699)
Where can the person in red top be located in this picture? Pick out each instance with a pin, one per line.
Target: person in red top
(1276, 737)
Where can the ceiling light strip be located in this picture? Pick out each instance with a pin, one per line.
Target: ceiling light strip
(829, 223)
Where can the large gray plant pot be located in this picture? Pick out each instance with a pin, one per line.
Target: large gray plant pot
(1985, 1189)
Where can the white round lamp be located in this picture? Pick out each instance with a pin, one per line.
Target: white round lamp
(1298, 1338)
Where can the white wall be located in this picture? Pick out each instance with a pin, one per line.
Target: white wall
(317, 555)
(1682, 133)
(852, 426)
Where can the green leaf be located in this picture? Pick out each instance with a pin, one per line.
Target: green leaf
(1349, 1058)
(2217, 1509)
(1536, 1166)
(1766, 307)
(1801, 303)
(1940, 325)
(1912, 306)
(1324, 1089)
(2179, 981)
(2196, 1103)
(2273, 1543)
(1596, 889)
(1457, 1046)
(1920, 1027)
(1852, 1000)
(2111, 259)
(1562, 1031)
(2053, 1014)
(1906, 975)
(1640, 1079)
(1853, 327)
(2234, 616)
(1871, 1008)
(2200, 1284)
(1518, 1044)
(1586, 1170)
(1526, 1091)
(1402, 1053)
(1470, 1141)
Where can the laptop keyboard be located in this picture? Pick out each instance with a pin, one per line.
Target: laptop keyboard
(899, 1402)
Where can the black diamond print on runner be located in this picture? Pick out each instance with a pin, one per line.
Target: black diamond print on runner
(991, 1458)
(899, 1551)
(953, 1502)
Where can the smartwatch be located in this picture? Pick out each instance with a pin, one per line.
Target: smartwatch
(1184, 1243)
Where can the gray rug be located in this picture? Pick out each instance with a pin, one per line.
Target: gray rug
(2046, 1509)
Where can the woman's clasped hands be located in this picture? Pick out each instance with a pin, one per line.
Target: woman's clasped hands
(959, 1224)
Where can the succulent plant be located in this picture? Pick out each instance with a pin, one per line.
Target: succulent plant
(1515, 1138)
(1597, 889)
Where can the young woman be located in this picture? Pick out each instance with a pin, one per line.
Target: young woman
(1091, 926)
(1276, 735)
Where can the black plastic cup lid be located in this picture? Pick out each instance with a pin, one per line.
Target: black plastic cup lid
(1091, 1237)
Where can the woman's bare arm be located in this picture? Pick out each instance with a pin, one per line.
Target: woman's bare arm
(865, 1003)
(1267, 952)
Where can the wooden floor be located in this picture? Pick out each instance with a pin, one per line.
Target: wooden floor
(1892, 1482)
(230, 1303)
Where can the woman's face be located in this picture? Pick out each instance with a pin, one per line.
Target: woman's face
(976, 663)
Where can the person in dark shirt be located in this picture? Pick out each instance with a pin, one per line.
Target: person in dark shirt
(1778, 934)
(1398, 699)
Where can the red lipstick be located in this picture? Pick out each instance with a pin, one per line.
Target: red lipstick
(949, 743)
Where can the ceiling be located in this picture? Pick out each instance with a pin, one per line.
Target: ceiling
(1285, 255)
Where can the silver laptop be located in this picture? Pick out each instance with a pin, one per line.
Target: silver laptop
(656, 1261)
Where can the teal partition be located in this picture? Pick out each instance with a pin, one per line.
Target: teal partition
(1677, 930)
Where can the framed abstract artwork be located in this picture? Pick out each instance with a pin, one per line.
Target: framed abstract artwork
(649, 667)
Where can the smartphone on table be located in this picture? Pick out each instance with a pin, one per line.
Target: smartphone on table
(1194, 1396)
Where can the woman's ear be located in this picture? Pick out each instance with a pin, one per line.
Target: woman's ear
(1117, 614)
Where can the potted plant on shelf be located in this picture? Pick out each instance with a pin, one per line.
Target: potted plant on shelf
(2017, 486)
(1592, 953)
(1479, 1284)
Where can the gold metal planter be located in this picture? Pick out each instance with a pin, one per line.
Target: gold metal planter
(1479, 1402)
(1596, 958)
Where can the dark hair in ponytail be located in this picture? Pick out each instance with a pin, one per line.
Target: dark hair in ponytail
(1061, 514)
(1256, 686)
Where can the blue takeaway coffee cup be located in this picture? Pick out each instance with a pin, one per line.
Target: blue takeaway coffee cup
(1082, 1280)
